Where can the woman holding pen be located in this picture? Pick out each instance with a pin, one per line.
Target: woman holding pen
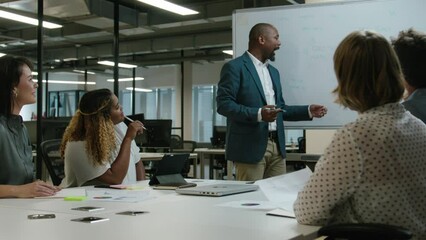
(96, 149)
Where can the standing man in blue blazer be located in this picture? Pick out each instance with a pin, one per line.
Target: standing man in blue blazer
(250, 97)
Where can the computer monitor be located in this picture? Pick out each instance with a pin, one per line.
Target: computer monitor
(51, 128)
(54, 128)
(140, 117)
(219, 136)
(157, 134)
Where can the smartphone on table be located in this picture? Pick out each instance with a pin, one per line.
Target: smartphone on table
(90, 219)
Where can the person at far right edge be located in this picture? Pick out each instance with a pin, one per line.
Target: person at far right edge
(374, 170)
(250, 97)
(410, 46)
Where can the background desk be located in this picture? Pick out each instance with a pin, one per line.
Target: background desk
(308, 159)
(202, 152)
(149, 156)
(171, 216)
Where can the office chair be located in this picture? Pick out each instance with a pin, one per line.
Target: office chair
(185, 146)
(301, 143)
(175, 142)
(52, 159)
(364, 231)
(189, 145)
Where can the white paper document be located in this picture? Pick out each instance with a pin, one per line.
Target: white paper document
(281, 213)
(118, 195)
(68, 192)
(283, 189)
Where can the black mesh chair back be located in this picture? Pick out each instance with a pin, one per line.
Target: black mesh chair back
(189, 146)
(364, 231)
(51, 157)
(301, 142)
(175, 142)
(185, 146)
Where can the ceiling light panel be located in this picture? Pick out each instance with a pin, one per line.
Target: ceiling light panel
(122, 65)
(171, 7)
(28, 20)
(139, 89)
(126, 79)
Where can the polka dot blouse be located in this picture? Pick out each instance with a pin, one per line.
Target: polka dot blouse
(373, 171)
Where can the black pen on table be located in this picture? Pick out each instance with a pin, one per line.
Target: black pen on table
(131, 120)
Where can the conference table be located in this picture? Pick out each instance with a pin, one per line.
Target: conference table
(169, 216)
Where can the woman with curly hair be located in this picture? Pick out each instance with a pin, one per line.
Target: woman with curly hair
(92, 150)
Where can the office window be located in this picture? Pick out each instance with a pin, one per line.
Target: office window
(158, 104)
(292, 135)
(63, 103)
(204, 115)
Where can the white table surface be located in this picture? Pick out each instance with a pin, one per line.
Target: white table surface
(171, 216)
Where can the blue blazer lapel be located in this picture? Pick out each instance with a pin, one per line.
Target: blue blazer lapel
(251, 68)
(275, 82)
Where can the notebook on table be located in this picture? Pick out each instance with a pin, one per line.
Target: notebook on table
(218, 190)
(168, 172)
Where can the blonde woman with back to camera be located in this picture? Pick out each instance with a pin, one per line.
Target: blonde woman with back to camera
(374, 170)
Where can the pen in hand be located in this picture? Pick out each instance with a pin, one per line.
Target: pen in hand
(131, 120)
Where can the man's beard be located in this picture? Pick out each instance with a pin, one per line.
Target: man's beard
(272, 56)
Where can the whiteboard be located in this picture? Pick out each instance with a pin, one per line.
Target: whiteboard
(309, 35)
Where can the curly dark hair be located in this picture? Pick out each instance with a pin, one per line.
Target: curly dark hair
(410, 46)
(92, 123)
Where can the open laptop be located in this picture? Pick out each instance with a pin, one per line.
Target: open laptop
(168, 171)
(218, 189)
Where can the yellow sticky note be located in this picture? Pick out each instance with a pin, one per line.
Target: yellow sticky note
(75, 198)
(134, 188)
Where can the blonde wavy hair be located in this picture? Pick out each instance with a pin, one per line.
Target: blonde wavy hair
(92, 123)
(368, 72)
